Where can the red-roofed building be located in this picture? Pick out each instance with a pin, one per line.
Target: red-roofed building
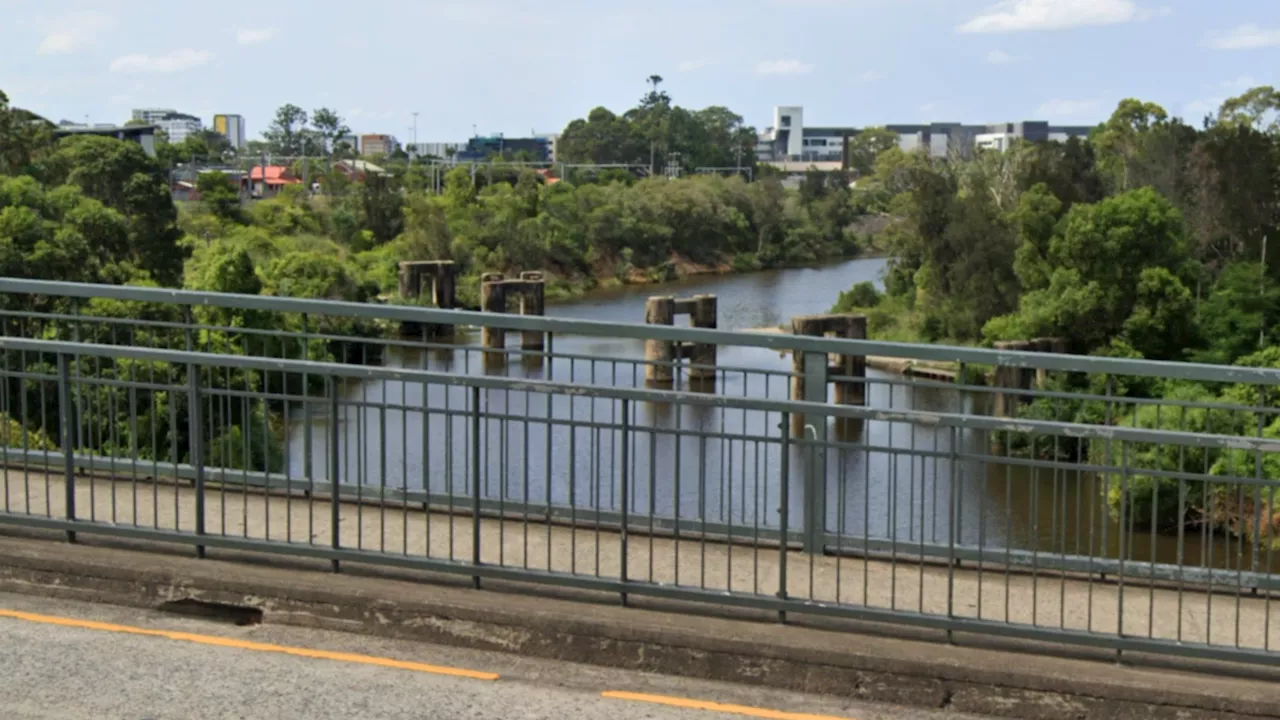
(277, 176)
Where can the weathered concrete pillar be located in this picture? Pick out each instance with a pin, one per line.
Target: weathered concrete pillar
(659, 354)
(702, 358)
(533, 302)
(854, 391)
(1012, 378)
(1047, 345)
(813, 326)
(446, 295)
(410, 280)
(437, 281)
(493, 299)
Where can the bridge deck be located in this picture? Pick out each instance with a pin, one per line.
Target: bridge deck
(1226, 618)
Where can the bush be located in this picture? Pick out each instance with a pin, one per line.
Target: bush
(859, 297)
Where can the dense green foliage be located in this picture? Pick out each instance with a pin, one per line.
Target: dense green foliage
(96, 209)
(1148, 240)
(656, 133)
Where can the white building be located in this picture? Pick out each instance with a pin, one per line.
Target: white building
(790, 141)
(176, 126)
(232, 128)
(443, 150)
(152, 116)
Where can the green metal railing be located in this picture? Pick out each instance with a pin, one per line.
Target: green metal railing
(309, 428)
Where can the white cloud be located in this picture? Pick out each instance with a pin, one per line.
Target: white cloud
(1058, 108)
(1246, 37)
(999, 57)
(867, 77)
(175, 61)
(254, 36)
(691, 65)
(783, 67)
(73, 32)
(1196, 109)
(1023, 15)
(370, 114)
(928, 107)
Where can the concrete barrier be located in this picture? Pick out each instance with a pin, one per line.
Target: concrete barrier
(818, 656)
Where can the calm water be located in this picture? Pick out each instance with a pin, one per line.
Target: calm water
(901, 482)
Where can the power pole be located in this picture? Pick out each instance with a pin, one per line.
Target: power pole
(1262, 325)
(415, 133)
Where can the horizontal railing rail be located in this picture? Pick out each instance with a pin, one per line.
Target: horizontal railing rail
(850, 412)
(1117, 527)
(770, 341)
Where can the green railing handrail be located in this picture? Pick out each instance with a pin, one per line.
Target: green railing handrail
(640, 331)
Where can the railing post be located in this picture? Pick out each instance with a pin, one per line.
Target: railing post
(66, 410)
(475, 483)
(195, 428)
(335, 471)
(815, 480)
(784, 509)
(626, 494)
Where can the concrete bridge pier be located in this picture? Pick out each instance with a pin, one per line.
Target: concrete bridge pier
(493, 299)
(661, 355)
(847, 372)
(433, 283)
(495, 293)
(1007, 377)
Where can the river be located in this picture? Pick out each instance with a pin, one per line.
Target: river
(894, 481)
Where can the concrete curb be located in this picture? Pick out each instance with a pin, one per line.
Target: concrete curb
(863, 667)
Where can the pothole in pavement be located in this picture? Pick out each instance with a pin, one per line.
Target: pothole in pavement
(241, 615)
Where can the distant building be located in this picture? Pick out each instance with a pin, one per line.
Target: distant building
(477, 149)
(269, 181)
(176, 126)
(359, 170)
(443, 150)
(552, 140)
(371, 145)
(151, 115)
(144, 135)
(232, 128)
(789, 140)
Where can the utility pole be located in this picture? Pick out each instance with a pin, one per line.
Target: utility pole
(1262, 288)
(415, 133)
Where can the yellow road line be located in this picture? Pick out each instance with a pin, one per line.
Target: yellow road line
(715, 707)
(248, 645)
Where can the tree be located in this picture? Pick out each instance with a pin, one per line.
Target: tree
(602, 138)
(1095, 261)
(119, 174)
(24, 138)
(220, 196)
(867, 146)
(59, 234)
(1258, 108)
(330, 127)
(287, 132)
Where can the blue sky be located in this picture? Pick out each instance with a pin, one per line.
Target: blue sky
(514, 66)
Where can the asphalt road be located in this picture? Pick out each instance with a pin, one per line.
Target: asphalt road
(70, 660)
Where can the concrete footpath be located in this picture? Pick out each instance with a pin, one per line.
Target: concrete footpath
(909, 667)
